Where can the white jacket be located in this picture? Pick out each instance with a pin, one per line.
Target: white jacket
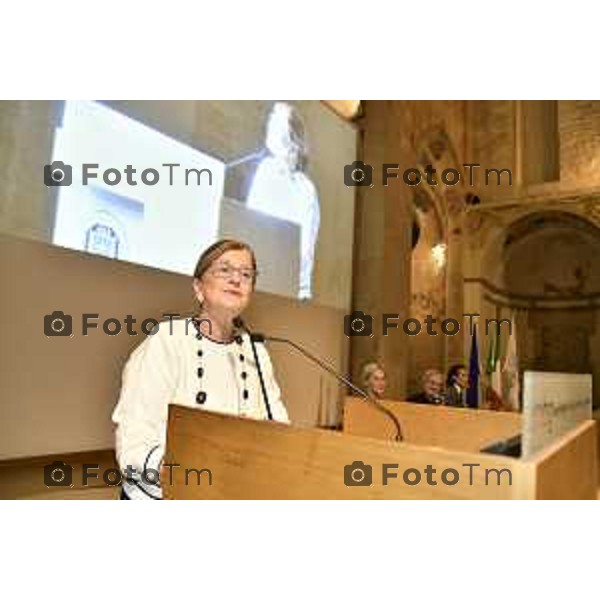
(163, 370)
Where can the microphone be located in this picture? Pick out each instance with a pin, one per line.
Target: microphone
(254, 155)
(238, 323)
(261, 338)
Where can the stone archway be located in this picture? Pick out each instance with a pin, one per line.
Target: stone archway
(543, 268)
(552, 259)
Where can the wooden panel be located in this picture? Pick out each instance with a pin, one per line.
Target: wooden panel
(568, 469)
(260, 460)
(423, 425)
(23, 478)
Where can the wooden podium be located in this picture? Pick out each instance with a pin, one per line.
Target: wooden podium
(233, 458)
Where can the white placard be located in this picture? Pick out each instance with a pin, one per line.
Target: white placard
(553, 403)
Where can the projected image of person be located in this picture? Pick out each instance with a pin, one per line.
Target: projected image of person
(281, 187)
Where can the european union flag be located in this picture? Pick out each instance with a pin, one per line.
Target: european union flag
(473, 389)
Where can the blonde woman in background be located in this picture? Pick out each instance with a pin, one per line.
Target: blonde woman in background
(374, 380)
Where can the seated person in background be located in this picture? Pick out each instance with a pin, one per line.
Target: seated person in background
(373, 380)
(432, 382)
(457, 383)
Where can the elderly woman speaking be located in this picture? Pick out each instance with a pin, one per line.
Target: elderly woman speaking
(205, 361)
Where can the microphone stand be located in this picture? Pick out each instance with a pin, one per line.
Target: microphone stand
(239, 323)
(257, 337)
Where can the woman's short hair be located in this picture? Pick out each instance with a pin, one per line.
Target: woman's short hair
(216, 250)
(367, 372)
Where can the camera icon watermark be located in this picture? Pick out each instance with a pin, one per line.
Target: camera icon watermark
(58, 474)
(358, 474)
(358, 174)
(357, 324)
(58, 173)
(58, 324)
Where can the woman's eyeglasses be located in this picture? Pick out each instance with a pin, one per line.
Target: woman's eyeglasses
(226, 271)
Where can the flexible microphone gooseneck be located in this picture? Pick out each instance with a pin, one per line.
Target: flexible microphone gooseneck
(238, 323)
(258, 337)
